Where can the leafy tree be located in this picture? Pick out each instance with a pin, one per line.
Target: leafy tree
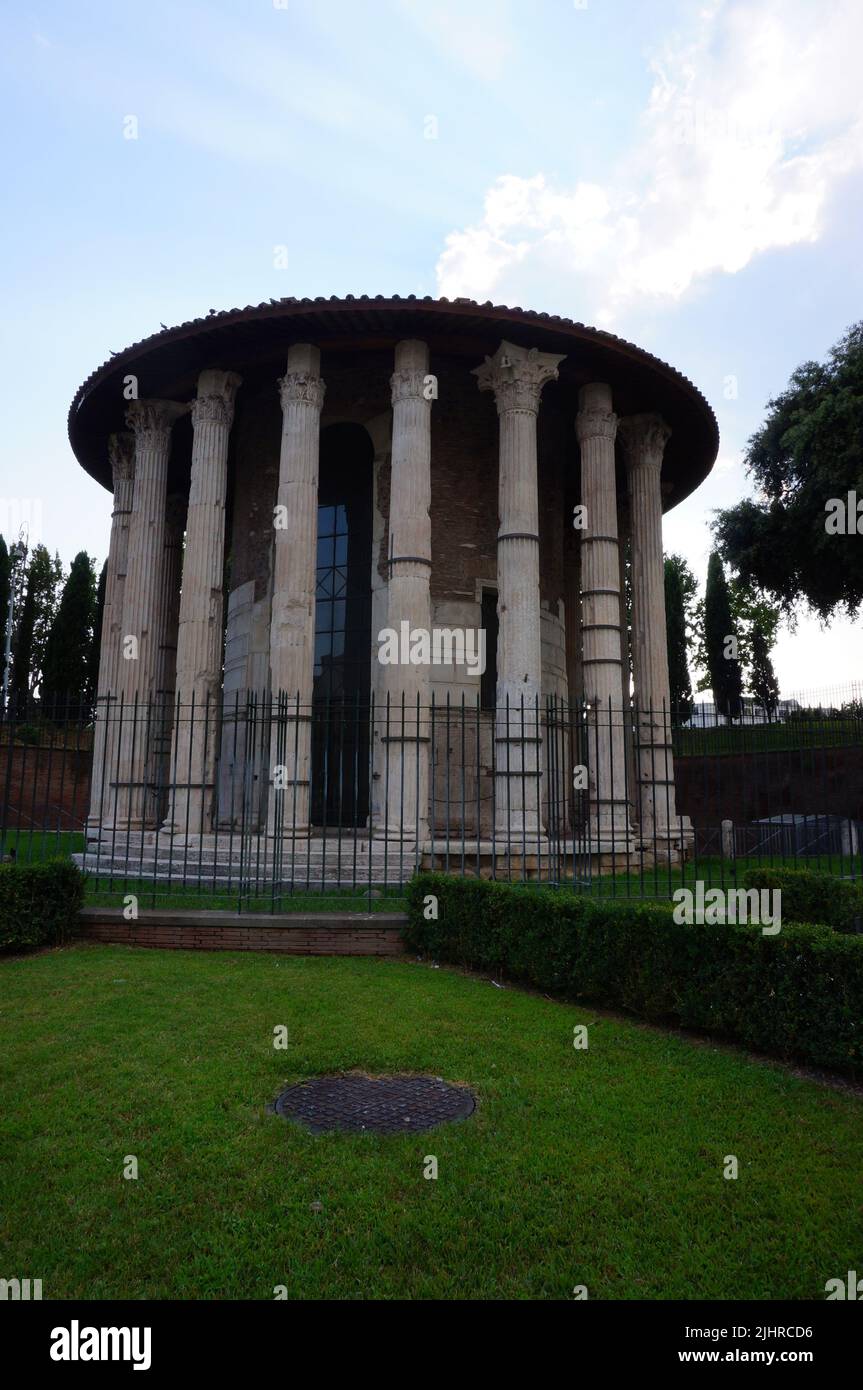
(762, 677)
(724, 676)
(96, 643)
(22, 653)
(752, 615)
(5, 590)
(43, 577)
(17, 584)
(806, 458)
(68, 649)
(680, 591)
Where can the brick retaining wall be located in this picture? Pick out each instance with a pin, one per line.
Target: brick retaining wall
(299, 934)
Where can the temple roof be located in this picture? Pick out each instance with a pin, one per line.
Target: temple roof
(167, 364)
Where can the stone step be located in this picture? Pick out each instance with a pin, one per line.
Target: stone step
(192, 864)
(227, 849)
(233, 877)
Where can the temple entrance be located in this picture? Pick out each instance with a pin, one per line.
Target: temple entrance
(342, 680)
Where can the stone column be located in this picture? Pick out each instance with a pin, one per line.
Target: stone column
(199, 639)
(517, 375)
(143, 608)
(292, 630)
(121, 454)
(596, 427)
(404, 720)
(573, 755)
(574, 675)
(623, 547)
(175, 525)
(643, 438)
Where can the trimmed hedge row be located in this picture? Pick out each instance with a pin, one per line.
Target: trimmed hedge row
(796, 994)
(39, 903)
(809, 896)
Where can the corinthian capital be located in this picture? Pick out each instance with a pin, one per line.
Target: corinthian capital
(152, 420)
(303, 388)
(405, 383)
(595, 418)
(644, 438)
(217, 391)
(517, 375)
(121, 456)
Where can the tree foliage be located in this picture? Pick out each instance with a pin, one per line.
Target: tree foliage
(66, 674)
(721, 643)
(5, 588)
(806, 456)
(96, 643)
(762, 677)
(680, 595)
(43, 577)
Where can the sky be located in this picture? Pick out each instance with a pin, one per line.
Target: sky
(688, 176)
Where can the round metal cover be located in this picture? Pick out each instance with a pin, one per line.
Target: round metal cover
(378, 1104)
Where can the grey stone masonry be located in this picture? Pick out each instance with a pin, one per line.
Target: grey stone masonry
(144, 611)
(517, 375)
(602, 660)
(292, 630)
(199, 641)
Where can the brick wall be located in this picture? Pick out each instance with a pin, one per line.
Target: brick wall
(464, 492)
(370, 934)
(751, 786)
(45, 788)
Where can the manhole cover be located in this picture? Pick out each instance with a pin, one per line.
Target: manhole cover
(382, 1104)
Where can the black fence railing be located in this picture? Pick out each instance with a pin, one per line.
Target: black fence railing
(255, 802)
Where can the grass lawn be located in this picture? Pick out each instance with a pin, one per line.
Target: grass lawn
(601, 1167)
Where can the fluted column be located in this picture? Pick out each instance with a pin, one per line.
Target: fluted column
(572, 612)
(292, 630)
(574, 676)
(643, 438)
(143, 608)
(407, 687)
(596, 428)
(121, 455)
(517, 375)
(623, 547)
(199, 638)
(169, 583)
(175, 525)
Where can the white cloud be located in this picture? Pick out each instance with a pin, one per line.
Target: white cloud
(749, 123)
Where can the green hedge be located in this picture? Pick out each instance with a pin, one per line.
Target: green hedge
(808, 896)
(39, 903)
(796, 994)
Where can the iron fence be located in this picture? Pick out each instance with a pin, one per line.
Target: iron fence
(265, 803)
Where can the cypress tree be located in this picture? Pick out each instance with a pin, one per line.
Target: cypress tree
(762, 677)
(675, 632)
(66, 671)
(96, 643)
(720, 642)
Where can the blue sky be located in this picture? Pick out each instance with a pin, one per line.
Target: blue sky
(687, 175)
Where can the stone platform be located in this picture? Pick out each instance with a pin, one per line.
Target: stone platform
(233, 863)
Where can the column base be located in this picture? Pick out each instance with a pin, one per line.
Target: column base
(678, 836)
(406, 835)
(288, 832)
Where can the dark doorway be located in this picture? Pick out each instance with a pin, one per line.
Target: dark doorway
(490, 623)
(340, 727)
